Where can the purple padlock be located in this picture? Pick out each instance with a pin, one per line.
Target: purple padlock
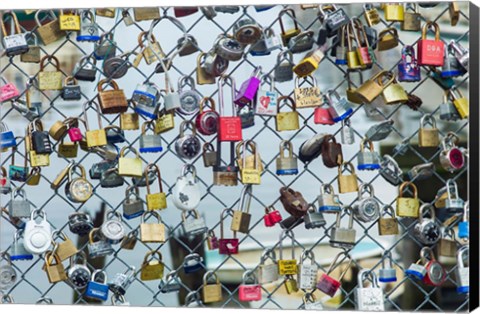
(248, 89)
(408, 71)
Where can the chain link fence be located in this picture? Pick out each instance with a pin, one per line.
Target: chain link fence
(404, 294)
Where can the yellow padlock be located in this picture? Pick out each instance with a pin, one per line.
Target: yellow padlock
(460, 102)
(250, 173)
(153, 269)
(94, 138)
(129, 167)
(69, 22)
(287, 266)
(408, 206)
(155, 201)
(309, 63)
(394, 12)
(50, 80)
(287, 121)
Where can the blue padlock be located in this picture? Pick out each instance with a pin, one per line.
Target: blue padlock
(192, 263)
(7, 139)
(18, 252)
(451, 67)
(368, 160)
(95, 289)
(464, 226)
(146, 97)
(408, 71)
(387, 274)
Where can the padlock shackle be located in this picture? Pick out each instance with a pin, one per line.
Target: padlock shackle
(184, 126)
(308, 254)
(387, 255)
(334, 264)
(290, 12)
(223, 80)
(154, 213)
(246, 198)
(268, 252)
(464, 250)
(423, 210)
(285, 99)
(209, 274)
(98, 272)
(408, 184)
(386, 209)
(286, 145)
(49, 58)
(249, 274)
(449, 183)
(427, 26)
(98, 110)
(365, 274)
(156, 169)
(221, 223)
(152, 254)
(147, 125)
(186, 213)
(74, 166)
(15, 23)
(204, 100)
(426, 254)
(79, 255)
(107, 82)
(284, 234)
(365, 188)
(428, 118)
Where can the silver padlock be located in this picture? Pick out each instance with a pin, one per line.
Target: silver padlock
(18, 251)
(100, 247)
(30, 114)
(453, 203)
(85, 69)
(247, 31)
(105, 48)
(8, 274)
(347, 135)
(421, 172)
(228, 48)
(88, 27)
(367, 160)
(192, 263)
(121, 281)
(371, 298)
(80, 223)
(307, 274)
(15, 43)
(286, 165)
(390, 170)
(171, 283)
(343, 237)
(302, 42)
(463, 272)
(366, 209)
(461, 54)
(215, 64)
(387, 274)
(268, 273)
(328, 202)
(172, 99)
(146, 97)
(448, 112)
(193, 226)
(339, 108)
(19, 208)
(380, 131)
(150, 143)
(132, 208)
(427, 230)
(314, 219)
(189, 98)
(284, 67)
(112, 228)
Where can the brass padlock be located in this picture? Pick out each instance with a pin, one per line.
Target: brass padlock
(129, 167)
(249, 166)
(241, 218)
(460, 102)
(387, 226)
(67, 150)
(165, 121)
(130, 121)
(447, 247)
(287, 121)
(97, 137)
(454, 12)
(34, 176)
(306, 97)
(408, 206)
(152, 51)
(33, 53)
(412, 20)
(105, 12)
(394, 12)
(155, 201)
(290, 33)
(153, 232)
(56, 271)
(212, 292)
(111, 101)
(373, 87)
(51, 31)
(393, 93)
(145, 14)
(428, 137)
(347, 183)
(50, 80)
(371, 14)
(387, 39)
(291, 284)
(153, 269)
(203, 77)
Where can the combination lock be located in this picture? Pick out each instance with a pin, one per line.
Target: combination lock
(188, 145)
(427, 230)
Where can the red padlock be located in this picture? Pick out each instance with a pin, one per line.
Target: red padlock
(229, 128)
(436, 274)
(251, 291)
(8, 91)
(329, 285)
(227, 246)
(271, 217)
(321, 115)
(207, 120)
(430, 52)
(184, 11)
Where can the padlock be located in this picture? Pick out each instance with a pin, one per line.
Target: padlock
(463, 272)
(411, 20)
(271, 217)
(228, 48)
(302, 42)
(427, 230)
(105, 48)
(203, 77)
(328, 202)
(212, 240)
(428, 137)
(460, 102)
(212, 292)
(7, 138)
(290, 284)
(22, 106)
(347, 183)
(380, 131)
(388, 39)
(37, 235)
(369, 298)
(416, 270)
(187, 146)
(368, 160)
(5, 184)
(15, 43)
(333, 18)
(365, 54)
(86, 69)
(184, 11)
(70, 21)
(40, 142)
(172, 283)
(71, 90)
(214, 65)
(34, 176)
(339, 108)
(209, 155)
(435, 272)
(268, 273)
(287, 266)
(332, 155)
(421, 171)
(206, 120)
(78, 190)
(155, 201)
(248, 89)
(343, 237)
(408, 71)
(187, 45)
(192, 263)
(307, 274)
(111, 101)
(78, 273)
(49, 32)
(241, 217)
(430, 52)
(55, 271)
(8, 274)
(247, 31)
(145, 14)
(229, 127)
(146, 98)
(328, 284)
(453, 203)
(80, 223)
(267, 42)
(371, 14)
(115, 134)
(266, 100)
(374, 86)
(387, 274)
(227, 246)
(447, 245)
(132, 208)
(121, 281)
(96, 289)
(408, 206)
(152, 52)
(50, 80)
(313, 218)
(309, 63)
(18, 251)
(341, 46)
(186, 192)
(293, 202)
(193, 226)
(97, 169)
(287, 121)
(321, 115)
(394, 93)
(249, 290)
(352, 96)
(461, 54)
(152, 269)
(19, 208)
(451, 67)
(464, 225)
(287, 35)
(394, 12)
(451, 157)
(152, 232)
(15, 172)
(150, 143)
(353, 61)
(8, 91)
(105, 12)
(130, 240)
(250, 173)
(414, 102)
(286, 165)
(116, 67)
(284, 67)
(129, 167)
(390, 170)
(119, 300)
(366, 209)
(306, 97)
(189, 98)
(225, 174)
(130, 121)
(112, 229)
(247, 116)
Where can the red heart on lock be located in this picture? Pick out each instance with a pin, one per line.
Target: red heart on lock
(265, 101)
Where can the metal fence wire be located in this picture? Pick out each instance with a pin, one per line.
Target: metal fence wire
(371, 252)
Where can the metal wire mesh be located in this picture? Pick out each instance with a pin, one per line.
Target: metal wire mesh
(213, 199)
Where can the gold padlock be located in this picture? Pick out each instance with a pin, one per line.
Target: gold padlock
(347, 183)
(428, 137)
(165, 122)
(454, 12)
(111, 101)
(309, 63)
(212, 292)
(291, 284)
(353, 60)
(64, 249)
(352, 96)
(203, 77)
(287, 121)
(145, 14)
(67, 150)
(35, 176)
(307, 97)
(394, 12)
(55, 272)
(58, 129)
(105, 12)
(94, 138)
(288, 34)
(51, 31)
(460, 102)
(153, 269)
(250, 159)
(155, 201)
(38, 160)
(412, 20)
(50, 80)
(447, 247)
(387, 39)
(393, 93)
(387, 226)
(241, 218)
(129, 167)
(153, 232)
(373, 87)
(371, 14)
(152, 49)
(33, 55)
(408, 206)
(130, 121)
(250, 173)
(69, 22)
(287, 266)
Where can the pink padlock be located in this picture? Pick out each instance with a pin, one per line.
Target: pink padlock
(249, 88)
(250, 291)
(8, 91)
(321, 115)
(227, 246)
(74, 131)
(271, 217)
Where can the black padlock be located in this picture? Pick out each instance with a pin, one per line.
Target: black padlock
(40, 141)
(333, 18)
(114, 134)
(86, 69)
(71, 89)
(372, 36)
